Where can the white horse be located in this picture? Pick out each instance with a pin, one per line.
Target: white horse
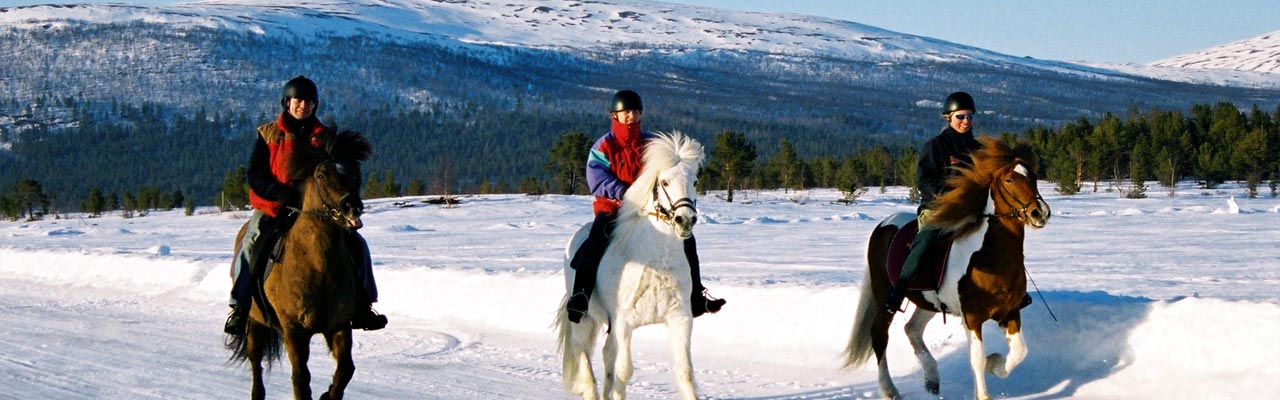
(644, 276)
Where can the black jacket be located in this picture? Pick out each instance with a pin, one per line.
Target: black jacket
(948, 149)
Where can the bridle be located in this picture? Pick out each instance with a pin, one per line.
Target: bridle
(667, 215)
(1019, 212)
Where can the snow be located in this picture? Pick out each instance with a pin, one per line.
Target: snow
(1171, 298)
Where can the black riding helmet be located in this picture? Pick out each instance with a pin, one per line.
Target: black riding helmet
(626, 100)
(958, 101)
(299, 88)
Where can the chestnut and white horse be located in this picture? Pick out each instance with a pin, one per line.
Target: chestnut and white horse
(644, 276)
(985, 279)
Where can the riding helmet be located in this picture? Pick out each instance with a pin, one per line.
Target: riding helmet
(958, 101)
(626, 100)
(299, 88)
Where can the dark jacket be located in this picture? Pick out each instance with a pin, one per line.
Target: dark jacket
(270, 186)
(944, 151)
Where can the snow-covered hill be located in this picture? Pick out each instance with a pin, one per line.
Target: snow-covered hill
(1259, 54)
(607, 27)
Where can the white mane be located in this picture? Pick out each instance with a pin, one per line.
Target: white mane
(664, 151)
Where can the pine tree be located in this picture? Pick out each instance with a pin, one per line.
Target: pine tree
(95, 203)
(567, 163)
(732, 160)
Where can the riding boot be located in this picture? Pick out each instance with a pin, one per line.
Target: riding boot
(700, 302)
(586, 264)
(366, 317)
(920, 254)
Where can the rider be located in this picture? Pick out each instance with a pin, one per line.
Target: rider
(272, 195)
(938, 161)
(613, 165)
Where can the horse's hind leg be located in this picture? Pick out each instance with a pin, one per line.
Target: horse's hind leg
(298, 345)
(617, 362)
(679, 330)
(999, 365)
(340, 347)
(880, 344)
(915, 334)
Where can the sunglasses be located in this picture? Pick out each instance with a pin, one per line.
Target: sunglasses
(963, 117)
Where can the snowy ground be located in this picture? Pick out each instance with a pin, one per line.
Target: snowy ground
(1156, 298)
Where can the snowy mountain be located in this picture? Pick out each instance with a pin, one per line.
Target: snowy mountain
(492, 84)
(1260, 54)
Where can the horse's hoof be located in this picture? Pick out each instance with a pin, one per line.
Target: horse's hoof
(932, 387)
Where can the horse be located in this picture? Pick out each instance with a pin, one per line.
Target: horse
(986, 212)
(312, 288)
(644, 276)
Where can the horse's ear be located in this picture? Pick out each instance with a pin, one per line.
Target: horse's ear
(350, 145)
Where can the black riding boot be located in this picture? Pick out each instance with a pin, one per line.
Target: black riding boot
(921, 254)
(700, 302)
(586, 263)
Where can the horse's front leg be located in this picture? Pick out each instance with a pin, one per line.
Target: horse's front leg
(977, 362)
(617, 361)
(298, 345)
(999, 365)
(340, 347)
(915, 334)
(679, 330)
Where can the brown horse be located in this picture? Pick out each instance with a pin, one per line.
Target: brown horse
(985, 278)
(313, 288)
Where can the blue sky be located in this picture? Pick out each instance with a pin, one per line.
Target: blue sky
(1127, 31)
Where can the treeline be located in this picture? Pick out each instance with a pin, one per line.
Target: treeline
(472, 152)
(1210, 144)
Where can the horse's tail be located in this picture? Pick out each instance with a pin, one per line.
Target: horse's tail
(575, 344)
(859, 349)
(239, 345)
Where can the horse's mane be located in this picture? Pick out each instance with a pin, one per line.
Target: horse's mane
(960, 210)
(346, 146)
(664, 150)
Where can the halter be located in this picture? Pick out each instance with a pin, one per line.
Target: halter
(668, 215)
(1019, 212)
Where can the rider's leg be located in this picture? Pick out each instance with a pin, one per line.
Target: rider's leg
(586, 262)
(699, 301)
(242, 266)
(366, 318)
(919, 254)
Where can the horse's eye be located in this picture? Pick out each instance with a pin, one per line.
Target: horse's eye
(665, 183)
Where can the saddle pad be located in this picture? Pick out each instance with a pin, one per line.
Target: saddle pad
(928, 277)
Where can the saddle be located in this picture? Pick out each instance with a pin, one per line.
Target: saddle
(933, 264)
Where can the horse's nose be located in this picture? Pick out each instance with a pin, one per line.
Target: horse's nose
(680, 220)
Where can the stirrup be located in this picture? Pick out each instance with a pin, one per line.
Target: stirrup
(237, 322)
(577, 306)
(369, 320)
(704, 302)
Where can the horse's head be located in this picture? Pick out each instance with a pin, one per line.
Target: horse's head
(330, 179)
(1002, 178)
(330, 194)
(665, 188)
(1013, 181)
(674, 199)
